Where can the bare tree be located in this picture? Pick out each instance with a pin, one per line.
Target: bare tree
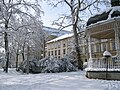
(27, 33)
(77, 8)
(11, 9)
(37, 38)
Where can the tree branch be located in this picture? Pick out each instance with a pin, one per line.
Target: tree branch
(68, 3)
(88, 6)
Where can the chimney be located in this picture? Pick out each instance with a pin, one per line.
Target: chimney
(115, 3)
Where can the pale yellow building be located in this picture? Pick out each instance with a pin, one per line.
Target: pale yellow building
(62, 45)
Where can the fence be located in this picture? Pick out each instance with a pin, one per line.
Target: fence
(102, 63)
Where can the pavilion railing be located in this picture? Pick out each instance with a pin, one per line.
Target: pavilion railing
(113, 63)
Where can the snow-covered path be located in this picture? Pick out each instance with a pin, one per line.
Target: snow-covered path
(54, 81)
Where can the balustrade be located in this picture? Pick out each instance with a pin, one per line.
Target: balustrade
(101, 63)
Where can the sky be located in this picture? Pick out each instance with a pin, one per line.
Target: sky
(52, 13)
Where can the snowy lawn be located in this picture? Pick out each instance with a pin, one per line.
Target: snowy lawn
(53, 81)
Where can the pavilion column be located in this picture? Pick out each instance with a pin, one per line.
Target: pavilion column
(99, 40)
(89, 46)
(117, 39)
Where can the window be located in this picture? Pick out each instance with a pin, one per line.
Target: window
(64, 51)
(59, 57)
(55, 52)
(97, 48)
(113, 45)
(51, 52)
(58, 52)
(104, 46)
(64, 45)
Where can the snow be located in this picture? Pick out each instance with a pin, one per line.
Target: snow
(53, 81)
(111, 9)
(115, 8)
(61, 37)
(51, 64)
(106, 53)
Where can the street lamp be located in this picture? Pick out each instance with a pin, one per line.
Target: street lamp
(107, 54)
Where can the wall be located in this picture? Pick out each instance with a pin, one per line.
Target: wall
(111, 75)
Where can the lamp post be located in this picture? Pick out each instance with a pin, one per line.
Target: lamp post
(107, 54)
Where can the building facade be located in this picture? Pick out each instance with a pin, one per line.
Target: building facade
(62, 45)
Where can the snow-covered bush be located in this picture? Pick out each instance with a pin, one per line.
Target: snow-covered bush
(71, 57)
(51, 64)
(23, 66)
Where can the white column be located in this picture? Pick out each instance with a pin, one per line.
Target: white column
(89, 46)
(100, 50)
(117, 40)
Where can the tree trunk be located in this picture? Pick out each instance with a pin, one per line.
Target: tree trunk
(77, 48)
(17, 59)
(6, 51)
(44, 43)
(75, 17)
(23, 56)
(28, 57)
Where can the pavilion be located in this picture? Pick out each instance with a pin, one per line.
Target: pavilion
(105, 25)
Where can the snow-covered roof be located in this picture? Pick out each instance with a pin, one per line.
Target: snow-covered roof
(54, 31)
(109, 13)
(61, 37)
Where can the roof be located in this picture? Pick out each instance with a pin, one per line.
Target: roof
(61, 37)
(112, 12)
(65, 36)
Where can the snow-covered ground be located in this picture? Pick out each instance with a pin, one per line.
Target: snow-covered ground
(53, 81)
